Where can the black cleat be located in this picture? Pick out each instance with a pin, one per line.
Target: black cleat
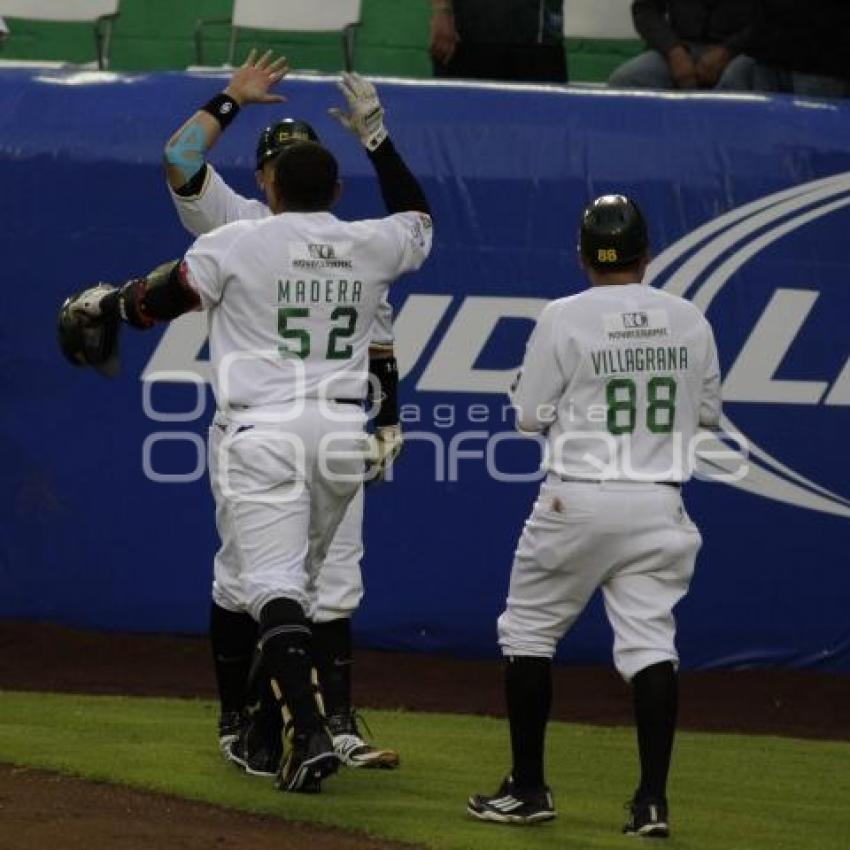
(508, 805)
(229, 727)
(647, 819)
(258, 750)
(311, 758)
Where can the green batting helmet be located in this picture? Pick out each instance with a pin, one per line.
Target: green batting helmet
(612, 233)
(277, 136)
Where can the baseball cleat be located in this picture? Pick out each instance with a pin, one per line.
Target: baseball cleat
(311, 759)
(229, 727)
(647, 820)
(352, 750)
(508, 805)
(255, 757)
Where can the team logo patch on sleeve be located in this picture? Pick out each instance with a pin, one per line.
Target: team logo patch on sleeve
(420, 230)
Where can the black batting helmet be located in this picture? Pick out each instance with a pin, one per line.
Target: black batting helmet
(612, 233)
(277, 136)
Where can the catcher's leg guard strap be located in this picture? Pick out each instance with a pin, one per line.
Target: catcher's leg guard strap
(286, 647)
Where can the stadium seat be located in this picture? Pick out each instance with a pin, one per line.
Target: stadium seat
(100, 13)
(604, 19)
(290, 16)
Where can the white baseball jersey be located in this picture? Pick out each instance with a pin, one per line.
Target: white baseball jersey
(292, 299)
(621, 377)
(217, 204)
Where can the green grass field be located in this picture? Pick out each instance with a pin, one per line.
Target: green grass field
(727, 791)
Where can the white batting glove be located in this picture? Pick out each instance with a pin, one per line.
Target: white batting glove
(383, 447)
(366, 118)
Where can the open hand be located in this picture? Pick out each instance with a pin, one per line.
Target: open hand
(365, 117)
(251, 82)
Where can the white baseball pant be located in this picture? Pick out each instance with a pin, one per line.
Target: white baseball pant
(633, 540)
(279, 505)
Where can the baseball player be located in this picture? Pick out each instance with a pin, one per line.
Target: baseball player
(203, 202)
(289, 331)
(619, 378)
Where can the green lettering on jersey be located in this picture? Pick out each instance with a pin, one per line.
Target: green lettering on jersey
(343, 332)
(297, 342)
(596, 359)
(621, 397)
(328, 291)
(661, 412)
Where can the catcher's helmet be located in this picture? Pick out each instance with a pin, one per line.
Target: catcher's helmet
(612, 233)
(86, 342)
(277, 136)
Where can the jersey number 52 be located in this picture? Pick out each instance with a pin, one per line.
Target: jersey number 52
(297, 340)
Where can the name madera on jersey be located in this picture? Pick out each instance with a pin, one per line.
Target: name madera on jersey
(319, 291)
(276, 334)
(611, 406)
(217, 204)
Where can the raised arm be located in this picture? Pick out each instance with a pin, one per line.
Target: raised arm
(184, 156)
(400, 189)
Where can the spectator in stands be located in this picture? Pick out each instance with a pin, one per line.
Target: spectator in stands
(800, 50)
(693, 44)
(514, 40)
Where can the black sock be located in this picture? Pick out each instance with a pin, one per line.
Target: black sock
(233, 637)
(287, 659)
(333, 656)
(528, 690)
(656, 702)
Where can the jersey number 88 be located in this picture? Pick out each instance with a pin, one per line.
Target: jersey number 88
(621, 395)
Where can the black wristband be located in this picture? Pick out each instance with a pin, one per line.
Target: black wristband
(223, 108)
